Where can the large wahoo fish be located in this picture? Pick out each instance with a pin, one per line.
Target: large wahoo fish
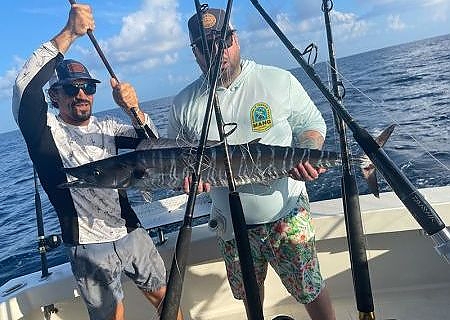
(165, 163)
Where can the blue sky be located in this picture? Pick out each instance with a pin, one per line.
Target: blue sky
(146, 41)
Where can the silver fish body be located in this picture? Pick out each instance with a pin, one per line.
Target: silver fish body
(166, 167)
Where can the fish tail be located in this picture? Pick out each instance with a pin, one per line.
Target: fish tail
(368, 169)
(385, 135)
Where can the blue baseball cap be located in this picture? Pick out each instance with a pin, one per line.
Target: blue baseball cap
(70, 70)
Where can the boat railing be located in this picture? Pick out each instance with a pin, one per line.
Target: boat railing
(166, 215)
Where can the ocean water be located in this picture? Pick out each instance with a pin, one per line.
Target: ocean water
(408, 85)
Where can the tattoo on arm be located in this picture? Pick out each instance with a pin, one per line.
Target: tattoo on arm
(311, 140)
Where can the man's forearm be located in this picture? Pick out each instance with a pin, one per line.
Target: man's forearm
(311, 139)
(63, 40)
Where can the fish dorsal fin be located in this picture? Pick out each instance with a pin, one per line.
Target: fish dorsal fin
(384, 136)
(213, 143)
(163, 143)
(257, 140)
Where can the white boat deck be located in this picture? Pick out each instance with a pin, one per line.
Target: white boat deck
(409, 279)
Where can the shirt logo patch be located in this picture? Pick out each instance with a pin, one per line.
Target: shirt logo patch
(261, 117)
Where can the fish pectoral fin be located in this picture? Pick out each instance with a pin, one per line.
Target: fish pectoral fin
(136, 174)
(139, 172)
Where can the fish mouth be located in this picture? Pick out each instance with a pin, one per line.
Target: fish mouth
(79, 183)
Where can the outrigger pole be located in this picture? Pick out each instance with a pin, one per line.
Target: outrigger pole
(350, 196)
(144, 131)
(176, 277)
(419, 208)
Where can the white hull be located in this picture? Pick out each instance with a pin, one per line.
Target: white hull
(409, 279)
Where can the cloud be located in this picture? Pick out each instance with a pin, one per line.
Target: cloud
(147, 38)
(178, 79)
(148, 34)
(394, 23)
(440, 9)
(436, 9)
(305, 9)
(152, 62)
(264, 35)
(261, 39)
(348, 25)
(8, 79)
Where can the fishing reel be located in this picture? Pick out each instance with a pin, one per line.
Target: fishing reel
(49, 243)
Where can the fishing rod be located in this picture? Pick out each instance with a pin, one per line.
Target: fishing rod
(44, 244)
(144, 128)
(413, 200)
(178, 268)
(251, 289)
(350, 195)
(40, 228)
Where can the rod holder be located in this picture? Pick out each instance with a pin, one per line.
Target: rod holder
(441, 241)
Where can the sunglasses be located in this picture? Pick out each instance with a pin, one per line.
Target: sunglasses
(212, 42)
(72, 89)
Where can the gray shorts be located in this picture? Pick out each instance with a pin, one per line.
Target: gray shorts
(98, 268)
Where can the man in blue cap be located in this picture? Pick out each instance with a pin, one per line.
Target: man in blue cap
(268, 104)
(101, 232)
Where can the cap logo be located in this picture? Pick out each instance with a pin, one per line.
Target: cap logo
(75, 67)
(209, 20)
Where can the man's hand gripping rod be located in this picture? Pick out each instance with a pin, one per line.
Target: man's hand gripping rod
(133, 111)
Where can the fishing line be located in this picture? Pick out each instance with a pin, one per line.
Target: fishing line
(223, 76)
(254, 166)
(351, 166)
(356, 234)
(419, 143)
(330, 86)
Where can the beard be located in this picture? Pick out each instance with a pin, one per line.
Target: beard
(229, 69)
(78, 115)
(229, 72)
(82, 116)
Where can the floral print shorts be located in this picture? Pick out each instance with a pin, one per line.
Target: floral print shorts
(289, 246)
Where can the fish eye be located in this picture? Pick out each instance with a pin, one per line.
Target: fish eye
(97, 172)
(139, 173)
